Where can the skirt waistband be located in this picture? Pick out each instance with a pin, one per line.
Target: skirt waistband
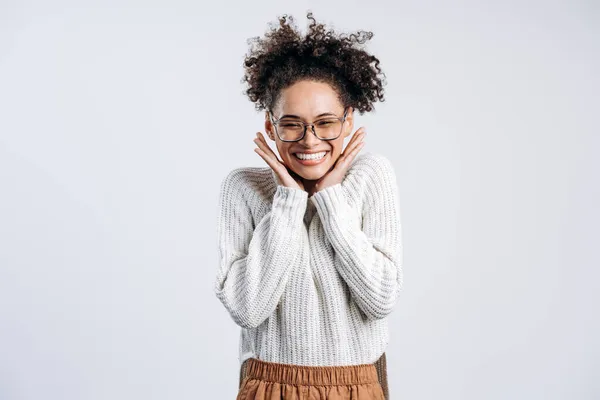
(310, 375)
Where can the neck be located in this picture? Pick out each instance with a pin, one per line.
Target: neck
(309, 185)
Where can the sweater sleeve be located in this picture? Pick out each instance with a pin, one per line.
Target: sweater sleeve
(255, 262)
(370, 256)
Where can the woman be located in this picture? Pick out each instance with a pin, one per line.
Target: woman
(310, 246)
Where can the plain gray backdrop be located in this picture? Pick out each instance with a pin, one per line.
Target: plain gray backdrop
(119, 119)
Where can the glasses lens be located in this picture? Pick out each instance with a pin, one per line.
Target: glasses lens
(328, 128)
(290, 130)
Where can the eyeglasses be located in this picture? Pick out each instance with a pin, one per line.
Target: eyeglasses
(327, 128)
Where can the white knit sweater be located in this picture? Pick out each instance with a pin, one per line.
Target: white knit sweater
(310, 281)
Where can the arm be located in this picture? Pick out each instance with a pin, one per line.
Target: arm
(255, 263)
(371, 257)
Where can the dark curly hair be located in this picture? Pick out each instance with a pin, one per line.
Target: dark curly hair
(284, 57)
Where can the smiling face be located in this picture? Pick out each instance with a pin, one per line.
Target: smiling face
(309, 101)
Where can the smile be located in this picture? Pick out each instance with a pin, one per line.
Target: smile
(310, 159)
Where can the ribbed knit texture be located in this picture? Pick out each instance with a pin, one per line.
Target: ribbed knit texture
(311, 280)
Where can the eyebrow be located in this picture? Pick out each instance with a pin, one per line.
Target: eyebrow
(295, 116)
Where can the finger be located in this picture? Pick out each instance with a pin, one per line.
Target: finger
(266, 146)
(354, 152)
(268, 159)
(269, 156)
(351, 151)
(360, 132)
(345, 163)
(358, 135)
(356, 140)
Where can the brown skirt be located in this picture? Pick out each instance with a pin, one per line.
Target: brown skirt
(268, 381)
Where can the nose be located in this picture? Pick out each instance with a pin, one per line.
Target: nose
(310, 139)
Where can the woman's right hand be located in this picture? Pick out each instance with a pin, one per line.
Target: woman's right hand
(284, 175)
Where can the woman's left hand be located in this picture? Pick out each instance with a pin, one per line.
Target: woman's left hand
(336, 174)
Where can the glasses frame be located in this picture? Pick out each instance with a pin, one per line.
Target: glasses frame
(312, 127)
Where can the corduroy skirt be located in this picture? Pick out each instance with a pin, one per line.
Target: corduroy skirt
(269, 381)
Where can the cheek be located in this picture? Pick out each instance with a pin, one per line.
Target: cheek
(284, 153)
(281, 148)
(336, 149)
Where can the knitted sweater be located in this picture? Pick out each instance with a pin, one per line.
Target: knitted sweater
(311, 280)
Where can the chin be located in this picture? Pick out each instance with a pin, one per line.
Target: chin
(312, 177)
(312, 174)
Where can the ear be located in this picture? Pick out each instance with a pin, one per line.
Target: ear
(269, 128)
(349, 123)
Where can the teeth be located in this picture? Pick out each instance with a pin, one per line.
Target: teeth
(314, 156)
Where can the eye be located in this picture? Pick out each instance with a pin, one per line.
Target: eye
(325, 122)
(290, 124)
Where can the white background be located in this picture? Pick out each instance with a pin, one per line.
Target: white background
(118, 120)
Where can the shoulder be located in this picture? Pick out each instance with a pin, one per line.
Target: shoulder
(248, 181)
(372, 167)
(372, 175)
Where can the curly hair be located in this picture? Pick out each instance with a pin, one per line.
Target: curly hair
(284, 57)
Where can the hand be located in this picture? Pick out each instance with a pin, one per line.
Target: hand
(336, 174)
(285, 176)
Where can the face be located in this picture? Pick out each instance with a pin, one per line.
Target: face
(307, 100)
